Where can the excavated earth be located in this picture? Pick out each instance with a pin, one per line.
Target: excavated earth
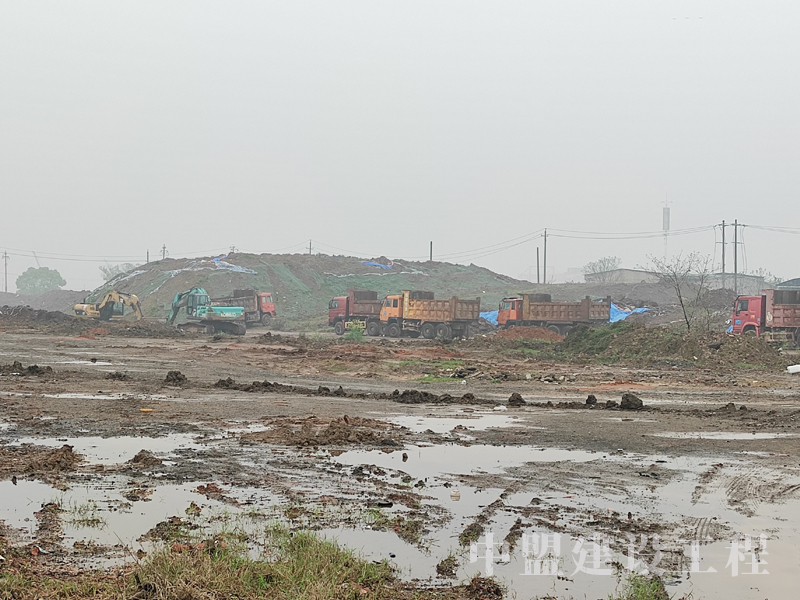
(405, 450)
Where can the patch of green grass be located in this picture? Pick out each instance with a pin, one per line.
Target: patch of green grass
(641, 587)
(471, 534)
(298, 565)
(85, 514)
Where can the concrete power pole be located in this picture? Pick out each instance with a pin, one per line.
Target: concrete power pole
(5, 264)
(544, 269)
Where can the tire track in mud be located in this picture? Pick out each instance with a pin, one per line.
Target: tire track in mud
(744, 491)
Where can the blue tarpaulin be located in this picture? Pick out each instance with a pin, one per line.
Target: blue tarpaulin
(617, 314)
(490, 315)
(374, 264)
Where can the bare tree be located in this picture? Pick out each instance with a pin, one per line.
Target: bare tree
(601, 269)
(688, 277)
(109, 271)
(769, 279)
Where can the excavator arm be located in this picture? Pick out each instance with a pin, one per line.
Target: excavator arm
(181, 300)
(106, 305)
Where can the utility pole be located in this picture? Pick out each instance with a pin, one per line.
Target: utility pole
(431, 258)
(164, 251)
(148, 257)
(5, 260)
(538, 280)
(723, 254)
(736, 256)
(309, 247)
(544, 278)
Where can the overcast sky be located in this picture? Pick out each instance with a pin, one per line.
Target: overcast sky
(375, 127)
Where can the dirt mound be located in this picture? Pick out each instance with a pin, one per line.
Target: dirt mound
(647, 346)
(175, 378)
(59, 323)
(118, 376)
(256, 386)
(16, 368)
(53, 300)
(26, 314)
(313, 431)
(145, 458)
(529, 333)
(37, 461)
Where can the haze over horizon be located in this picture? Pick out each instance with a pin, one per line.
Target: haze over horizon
(373, 129)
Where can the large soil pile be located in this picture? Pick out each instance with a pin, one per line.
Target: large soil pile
(62, 300)
(637, 344)
(23, 318)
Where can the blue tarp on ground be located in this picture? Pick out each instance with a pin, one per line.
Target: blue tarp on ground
(374, 264)
(490, 315)
(617, 314)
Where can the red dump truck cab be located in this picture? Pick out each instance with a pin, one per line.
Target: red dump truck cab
(749, 315)
(774, 316)
(266, 304)
(337, 309)
(510, 310)
(359, 309)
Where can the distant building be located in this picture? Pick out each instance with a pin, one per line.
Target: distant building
(792, 284)
(746, 284)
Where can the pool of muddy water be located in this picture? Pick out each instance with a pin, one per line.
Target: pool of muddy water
(95, 507)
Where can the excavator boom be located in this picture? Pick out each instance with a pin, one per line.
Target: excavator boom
(104, 309)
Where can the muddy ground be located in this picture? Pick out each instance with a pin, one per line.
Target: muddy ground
(404, 450)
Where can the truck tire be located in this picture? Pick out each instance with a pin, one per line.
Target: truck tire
(443, 331)
(554, 329)
(465, 334)
(266, 319)
(393, 330)
(384, 327)
(338, 328)
(428, 331)
(566, 329)
(750, 330)
(373, 329)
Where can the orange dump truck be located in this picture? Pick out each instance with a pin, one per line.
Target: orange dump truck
(419, 313)
(538, 310)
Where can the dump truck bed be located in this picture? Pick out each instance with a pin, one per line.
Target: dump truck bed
(442, 311)
(586, 310)
(782, 308)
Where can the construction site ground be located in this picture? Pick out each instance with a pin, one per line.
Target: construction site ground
(404, 450)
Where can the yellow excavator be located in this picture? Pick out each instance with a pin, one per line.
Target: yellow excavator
(112, 306)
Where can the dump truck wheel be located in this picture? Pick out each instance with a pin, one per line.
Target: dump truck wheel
(429, 331)
(266, 319)
(566, 330)
(373, 329)
(554, 329)
(338, 328)
(393, 330)
(443, 331)
(751, 331)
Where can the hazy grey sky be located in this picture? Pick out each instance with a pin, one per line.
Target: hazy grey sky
(375, 127)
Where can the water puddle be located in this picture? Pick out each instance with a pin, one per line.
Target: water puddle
(97, 363)
(433, 461)
(115, 450)
(479, 422)
(723, 435)
(109, 396)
